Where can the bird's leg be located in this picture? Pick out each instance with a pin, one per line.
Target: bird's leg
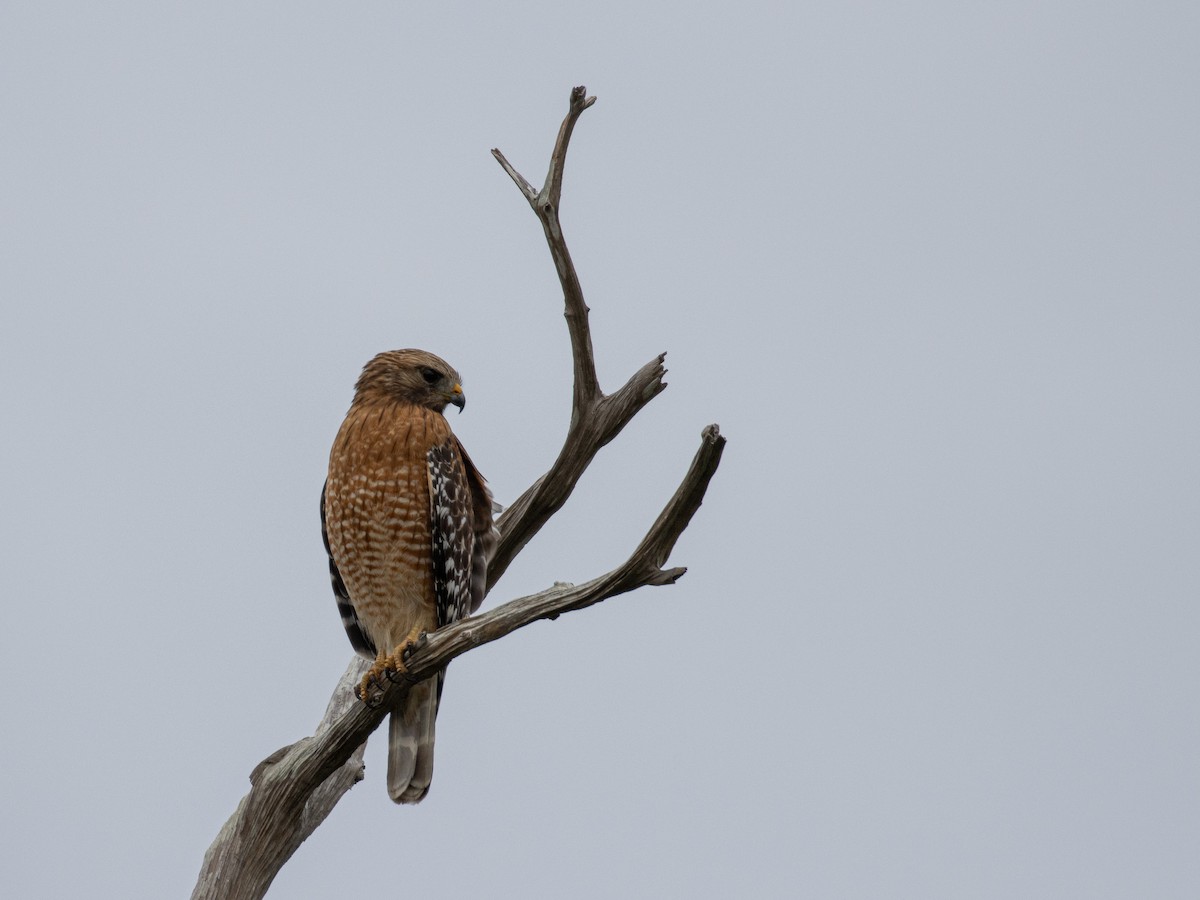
(373, 677)
(395, 664)
(391, 666)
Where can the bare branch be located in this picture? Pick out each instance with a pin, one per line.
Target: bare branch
(286, 803)
(524, 186)
(294, 789)
(546, 496)
(545, 204)
(659, 541)
(596, 418)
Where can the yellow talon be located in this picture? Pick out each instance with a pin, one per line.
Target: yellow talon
(388, 665)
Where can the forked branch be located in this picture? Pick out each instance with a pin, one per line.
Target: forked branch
(596, 418)
(545, 204)
(295, 788)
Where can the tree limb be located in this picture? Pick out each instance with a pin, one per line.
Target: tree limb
(295, 788)
(596, 418)
(282, 810)
(545, 204)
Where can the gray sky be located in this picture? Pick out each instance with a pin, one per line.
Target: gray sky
(933, 269)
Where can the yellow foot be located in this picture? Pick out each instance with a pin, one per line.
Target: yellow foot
(392, 667)
(373, 681)
(395, 665)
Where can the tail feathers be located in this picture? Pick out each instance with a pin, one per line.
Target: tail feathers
(410, 743)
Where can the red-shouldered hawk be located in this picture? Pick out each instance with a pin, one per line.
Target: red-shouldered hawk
(407, 523)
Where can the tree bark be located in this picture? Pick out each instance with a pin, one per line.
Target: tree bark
(297, 786)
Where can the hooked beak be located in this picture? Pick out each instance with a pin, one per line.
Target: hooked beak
(457, 397)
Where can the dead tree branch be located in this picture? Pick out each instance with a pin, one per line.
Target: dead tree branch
(295, 788)
(596, 418)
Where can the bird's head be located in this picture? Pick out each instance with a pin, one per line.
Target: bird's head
(413, 376)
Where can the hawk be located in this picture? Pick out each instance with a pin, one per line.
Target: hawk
(407, 523)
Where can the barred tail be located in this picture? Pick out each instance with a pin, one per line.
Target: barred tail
(410, 743)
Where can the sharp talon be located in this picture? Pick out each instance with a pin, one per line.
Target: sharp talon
(370, 689)
(421, 641)
(366, 695)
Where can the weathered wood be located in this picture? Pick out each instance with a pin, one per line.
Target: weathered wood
(296, 787)
(596, 418)
(289, 797)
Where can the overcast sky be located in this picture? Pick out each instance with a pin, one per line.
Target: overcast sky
(931, 266)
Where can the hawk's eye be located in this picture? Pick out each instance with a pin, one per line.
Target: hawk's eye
(431, 376)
